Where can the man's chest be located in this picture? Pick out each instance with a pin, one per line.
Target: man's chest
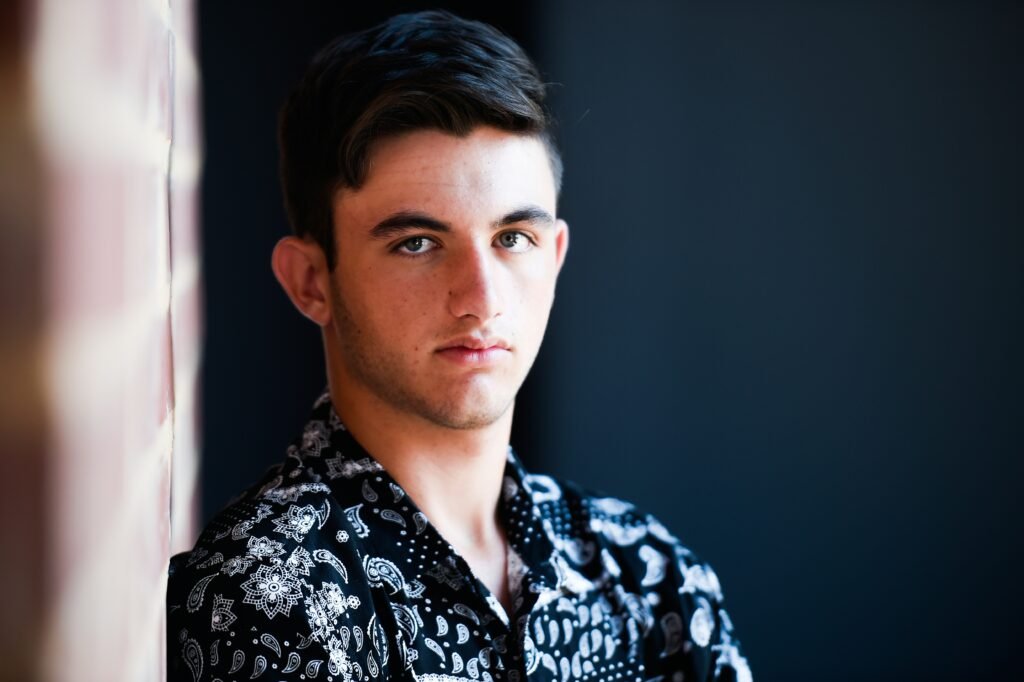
(447, 636)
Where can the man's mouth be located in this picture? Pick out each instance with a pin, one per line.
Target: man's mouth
(475, 350)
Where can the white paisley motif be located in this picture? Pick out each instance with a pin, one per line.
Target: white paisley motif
(435, 647)
(382, 573)
(464, 610)
(325, 557)
(610, 564)
(617, 533)
(237, 661)
(392, 516)
(369, 494)
(294, 661)
(656, 562)
(701, 625)
(408, 620)
(543, 488)
(195, 596)
(352, 514)
(700, 577)
(611, 505)
(193, 656)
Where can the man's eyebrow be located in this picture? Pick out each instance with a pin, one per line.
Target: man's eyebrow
(527, 214)
(403, 221)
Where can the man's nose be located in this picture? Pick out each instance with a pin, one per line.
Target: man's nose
(474, 289)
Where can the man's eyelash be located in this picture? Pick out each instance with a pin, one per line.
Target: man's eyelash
(525, 235)
(397, 248)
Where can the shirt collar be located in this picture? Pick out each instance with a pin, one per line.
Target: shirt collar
(327, 448)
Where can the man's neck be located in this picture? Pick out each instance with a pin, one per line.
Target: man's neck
(453, 475)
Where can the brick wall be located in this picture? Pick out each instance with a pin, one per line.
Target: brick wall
(99, 159)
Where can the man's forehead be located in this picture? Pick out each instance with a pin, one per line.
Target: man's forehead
(487, 173)
(466, 158)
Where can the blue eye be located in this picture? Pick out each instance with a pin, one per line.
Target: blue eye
(517, 242)
(416, 245)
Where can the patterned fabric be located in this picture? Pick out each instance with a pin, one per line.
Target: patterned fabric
(326, 570)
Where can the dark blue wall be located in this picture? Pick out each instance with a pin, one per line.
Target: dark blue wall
(790, 324)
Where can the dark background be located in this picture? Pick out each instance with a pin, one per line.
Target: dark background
(790, 323)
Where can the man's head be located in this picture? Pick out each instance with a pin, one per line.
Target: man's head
(429, 70)
(422, 183)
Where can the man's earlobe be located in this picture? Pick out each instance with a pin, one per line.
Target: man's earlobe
(301, 270)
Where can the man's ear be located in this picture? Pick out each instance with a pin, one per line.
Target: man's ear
(561, 242)
(301, 269)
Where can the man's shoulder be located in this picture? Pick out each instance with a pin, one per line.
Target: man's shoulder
(275, 565)
(597, 514)
(630, 538)
(260, 523)
(290, 519)
(630, 554)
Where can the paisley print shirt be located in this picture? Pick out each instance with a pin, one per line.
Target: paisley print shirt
(326, 570)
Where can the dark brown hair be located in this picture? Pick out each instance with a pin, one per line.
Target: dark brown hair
(414, 71)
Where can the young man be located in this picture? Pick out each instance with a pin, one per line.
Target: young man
(402, 539)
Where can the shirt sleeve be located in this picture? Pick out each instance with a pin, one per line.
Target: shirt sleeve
(273, 596)
(715, 649)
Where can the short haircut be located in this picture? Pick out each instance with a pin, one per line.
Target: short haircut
(426, 70)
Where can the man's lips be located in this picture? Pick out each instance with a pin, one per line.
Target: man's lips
(476, 343)
(475, 351)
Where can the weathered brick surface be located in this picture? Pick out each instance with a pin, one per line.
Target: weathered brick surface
(99, 160)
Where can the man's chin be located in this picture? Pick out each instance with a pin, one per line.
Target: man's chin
(467, 420)
(470, 412)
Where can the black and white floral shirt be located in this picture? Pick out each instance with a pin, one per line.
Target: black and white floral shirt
(326, 570)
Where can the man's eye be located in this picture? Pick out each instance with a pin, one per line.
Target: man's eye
(416, 245)
(516, 242)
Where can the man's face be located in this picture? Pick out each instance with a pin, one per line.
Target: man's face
(447, 261)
